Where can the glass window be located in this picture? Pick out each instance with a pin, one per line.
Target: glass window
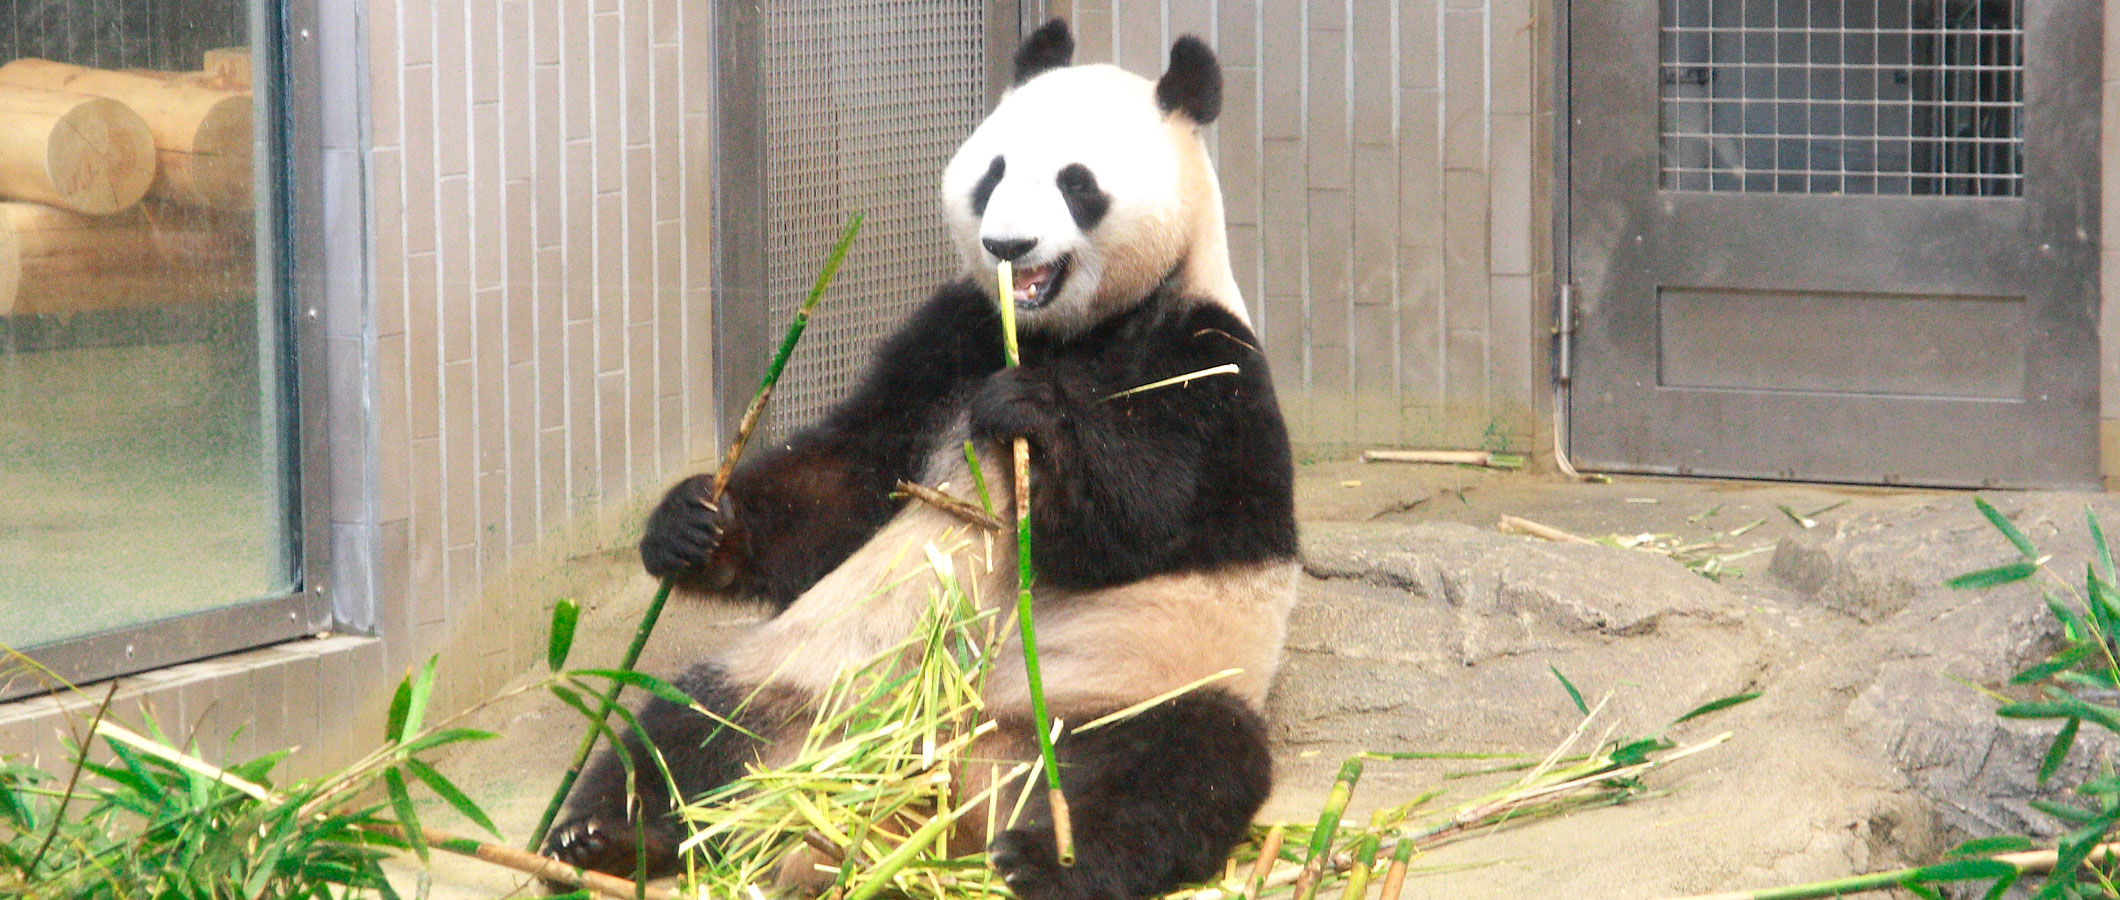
(145, 469)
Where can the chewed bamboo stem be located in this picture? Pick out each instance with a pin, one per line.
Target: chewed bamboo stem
(1063, 824)
(951, 505)
(653, 613)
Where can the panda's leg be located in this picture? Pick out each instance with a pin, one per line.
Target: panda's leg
(599, 831)
(1158, 801)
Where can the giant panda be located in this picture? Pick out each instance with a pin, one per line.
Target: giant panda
(1163, 521)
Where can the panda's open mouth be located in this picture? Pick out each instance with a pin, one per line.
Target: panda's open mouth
(1037, 285)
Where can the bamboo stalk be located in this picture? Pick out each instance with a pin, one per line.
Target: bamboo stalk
(532, 864)
(1063, 825)
(2029, 862)
(1319, 855)
(1515, 525)
(1269, 852)
(1395, 877)
(721, 483)
(949, 504)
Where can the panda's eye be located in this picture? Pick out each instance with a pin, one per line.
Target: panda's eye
(1086, 202)
(984, 190)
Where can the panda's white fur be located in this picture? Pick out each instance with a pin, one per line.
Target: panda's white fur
(1166, 205)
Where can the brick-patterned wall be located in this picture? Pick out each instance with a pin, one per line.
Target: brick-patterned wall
(1386, 165)
(538, 334)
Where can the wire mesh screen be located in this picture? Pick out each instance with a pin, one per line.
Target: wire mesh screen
(864, 103)
(1843, 96)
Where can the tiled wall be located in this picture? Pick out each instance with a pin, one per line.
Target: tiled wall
(1386, 167)
(535, 337)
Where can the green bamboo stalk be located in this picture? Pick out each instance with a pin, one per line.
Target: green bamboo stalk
(1365, 863)
(744, 428)
(1063, 824)
(1319, 855)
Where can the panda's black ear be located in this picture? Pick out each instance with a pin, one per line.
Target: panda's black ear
(1052, 46)
(1193, 83)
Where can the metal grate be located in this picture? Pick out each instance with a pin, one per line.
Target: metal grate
(1843, 96)
(864, 103)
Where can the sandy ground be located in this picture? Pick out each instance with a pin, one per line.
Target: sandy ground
(1423, 628)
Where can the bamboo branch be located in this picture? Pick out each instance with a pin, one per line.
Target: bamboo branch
(949, 504)
(1514, 525)
(1063, 825)
(2029, 862)
(540, 866)
(721, 483)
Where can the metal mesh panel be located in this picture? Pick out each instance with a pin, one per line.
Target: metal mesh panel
(864, 103)
(1843, 96)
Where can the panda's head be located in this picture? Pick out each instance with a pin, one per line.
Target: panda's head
(1095, 185)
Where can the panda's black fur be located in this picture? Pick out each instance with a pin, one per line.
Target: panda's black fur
(1148, 488)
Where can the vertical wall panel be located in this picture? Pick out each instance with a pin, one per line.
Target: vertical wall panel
(1387, 197)
(539, 248)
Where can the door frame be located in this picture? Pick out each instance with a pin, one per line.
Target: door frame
(1566, 319)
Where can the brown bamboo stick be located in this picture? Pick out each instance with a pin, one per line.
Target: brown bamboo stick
(951, 505)
(1515, 525)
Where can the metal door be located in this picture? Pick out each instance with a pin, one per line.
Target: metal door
(1836, 240)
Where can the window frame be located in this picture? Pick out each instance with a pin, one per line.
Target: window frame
(291, 186)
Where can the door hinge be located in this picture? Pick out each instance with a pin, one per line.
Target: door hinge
(1564, 332)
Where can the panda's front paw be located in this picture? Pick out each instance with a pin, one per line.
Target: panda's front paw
(590, 843)
(1013, 403)
(1029, 864)
(690, 537)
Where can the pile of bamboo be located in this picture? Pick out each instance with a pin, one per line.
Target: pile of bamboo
(123, 187)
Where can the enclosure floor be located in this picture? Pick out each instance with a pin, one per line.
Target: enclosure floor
(132, 488)
(1825, 775)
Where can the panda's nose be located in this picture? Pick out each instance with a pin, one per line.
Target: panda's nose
(1010, 249)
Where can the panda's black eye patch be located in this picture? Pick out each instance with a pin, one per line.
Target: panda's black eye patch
(1085, 201)
(984, 190)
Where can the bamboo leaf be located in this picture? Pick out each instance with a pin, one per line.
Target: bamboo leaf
(2098, 544)
(565, 615)
(2058, 750)
(2066, 659)
(1962, 870)
(1995, 577)
(448, 791)
(1573, 694)
(1989, 846)
(401, 804)
(2002, 886)
(2007, 527)
(644, 681)
(416, 704)
(1715, 705)
(400, 702)
(2073, 815)
(441, 738)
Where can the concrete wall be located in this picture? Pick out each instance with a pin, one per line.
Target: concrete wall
(2109, 258)
(1387, 166)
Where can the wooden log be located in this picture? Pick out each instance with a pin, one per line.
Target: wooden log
(201, 134)
(55, 261)
(228, 67)
(85, 153)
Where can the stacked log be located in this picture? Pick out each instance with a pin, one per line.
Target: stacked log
(54, 261)
(228, 68)
(84, 153)
(201, 134)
